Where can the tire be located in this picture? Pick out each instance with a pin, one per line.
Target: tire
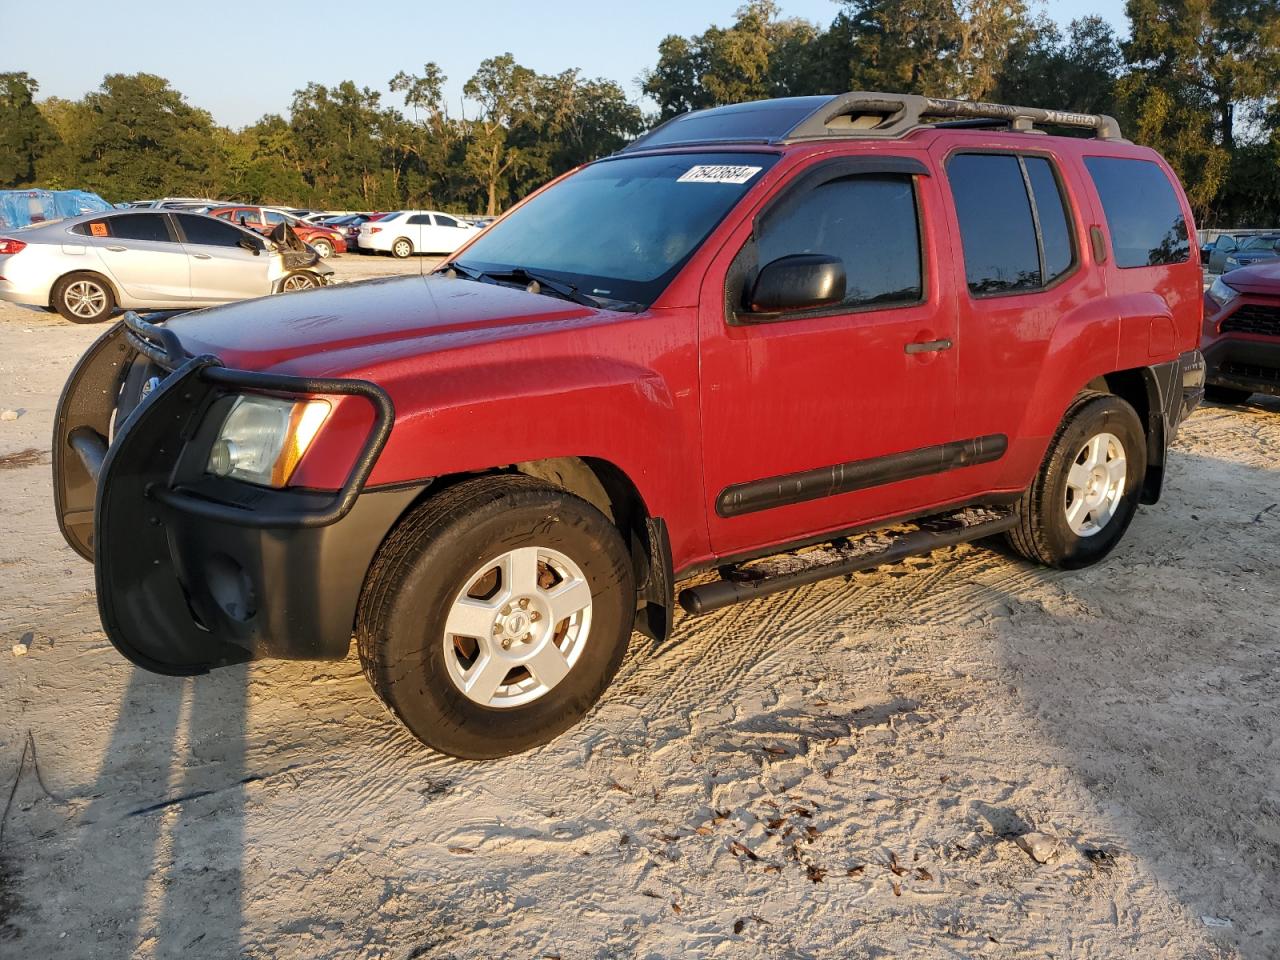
(323, 247)
(86, 292)
(402, 248)
(1046, 532)
(1226, 394)
(302, 280)
(421, 578)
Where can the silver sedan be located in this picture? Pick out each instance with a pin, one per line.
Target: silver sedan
(87, 267)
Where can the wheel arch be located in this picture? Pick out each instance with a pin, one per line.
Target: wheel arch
(1142, 389)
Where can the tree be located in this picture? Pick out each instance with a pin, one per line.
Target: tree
(25, 134)
(903, 46)
(503, 91)
(1077, 72)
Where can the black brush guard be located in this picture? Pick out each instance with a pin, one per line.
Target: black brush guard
(182, 558)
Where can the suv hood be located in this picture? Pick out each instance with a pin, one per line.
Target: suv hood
(1263, 278)
(334, 330)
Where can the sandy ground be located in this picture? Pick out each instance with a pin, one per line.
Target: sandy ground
(838, 772)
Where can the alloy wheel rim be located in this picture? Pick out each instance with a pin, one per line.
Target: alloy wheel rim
(517, 627)
(1095, 485)
(85, 298)
(298, 282)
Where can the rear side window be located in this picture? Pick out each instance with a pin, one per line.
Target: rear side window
(1013, 222)
(209, 232)
(869, 222)
(420, 220)
(1143, 214)
(134, 226)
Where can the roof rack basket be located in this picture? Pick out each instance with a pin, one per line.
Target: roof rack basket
(855, 115)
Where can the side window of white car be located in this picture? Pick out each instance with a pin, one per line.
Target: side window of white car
(443, 221)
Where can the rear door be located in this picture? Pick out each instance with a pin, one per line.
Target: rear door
(419, 229)
(1017, 226)
(142, 254)
(221, 267)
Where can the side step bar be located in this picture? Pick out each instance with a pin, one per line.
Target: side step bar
(843, 556)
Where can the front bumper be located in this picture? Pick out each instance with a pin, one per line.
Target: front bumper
(192, 571)
(1244, 364)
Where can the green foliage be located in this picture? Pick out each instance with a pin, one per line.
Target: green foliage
(1197, 79)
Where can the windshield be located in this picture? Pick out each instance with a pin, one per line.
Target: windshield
(621, 229)
(1261, 243)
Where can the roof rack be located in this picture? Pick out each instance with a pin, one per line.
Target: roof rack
(880, 116)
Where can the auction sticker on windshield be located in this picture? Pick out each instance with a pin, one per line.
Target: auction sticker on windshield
(717, 173)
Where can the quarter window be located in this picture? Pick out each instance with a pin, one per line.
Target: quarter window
(1013, 222)
(1143, 214)
(869, 222)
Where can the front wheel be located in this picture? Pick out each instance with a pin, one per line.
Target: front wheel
(323, 247)
(1086, 493)
(401, 249)
(299, 281)
(495, 615)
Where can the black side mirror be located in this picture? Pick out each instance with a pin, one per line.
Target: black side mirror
(248, 243)
(802, 281)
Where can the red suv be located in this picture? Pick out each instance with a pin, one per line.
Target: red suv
(765, 344)
(326, 241)
(1242, 334)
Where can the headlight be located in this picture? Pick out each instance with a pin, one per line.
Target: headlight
(263, 438)
(1222, 293)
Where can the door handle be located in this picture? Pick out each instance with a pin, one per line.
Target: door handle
(928, 346)
(202, 256)
(117, 249)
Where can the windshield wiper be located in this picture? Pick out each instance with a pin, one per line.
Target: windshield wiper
(536, 282)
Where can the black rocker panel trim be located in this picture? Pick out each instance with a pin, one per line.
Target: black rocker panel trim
(770, 492)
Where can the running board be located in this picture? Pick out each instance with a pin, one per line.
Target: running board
(770, 575)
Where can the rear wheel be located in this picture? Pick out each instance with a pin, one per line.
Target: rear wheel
(83, 298)
(1086, 493)
(495, 615)
(1226, 394)
(323, 247)
(401, 248)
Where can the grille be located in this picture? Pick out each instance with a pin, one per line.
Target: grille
(1254, 318)
(1251, 371)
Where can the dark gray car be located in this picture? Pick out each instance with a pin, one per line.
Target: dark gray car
(1259, 249)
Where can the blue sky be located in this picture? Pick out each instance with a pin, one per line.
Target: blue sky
(242, 59)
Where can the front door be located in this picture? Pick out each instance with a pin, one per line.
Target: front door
(826, 419)
(222, 268)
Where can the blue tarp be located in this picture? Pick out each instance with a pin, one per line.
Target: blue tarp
(21, 208)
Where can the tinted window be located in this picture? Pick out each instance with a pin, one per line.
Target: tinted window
(443, 221)
(209, 232)
(1261, 243)
(271, 216)
(996, 228)
(869, 222)
(139, 226)
(1143, 214)
(1055, 232)
(421, 219)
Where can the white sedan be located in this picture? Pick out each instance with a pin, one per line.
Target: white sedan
(407, 232)
(89, 266)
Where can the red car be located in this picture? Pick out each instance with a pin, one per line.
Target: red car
(326, 241)
(765, 344)
(1241, 341)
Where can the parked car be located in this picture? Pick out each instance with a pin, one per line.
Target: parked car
(1214, 255)
(1258, 249)
(766, 343)
(87, 267)
(325, 240)
(1241, 343)
(349, 225)
(405, 232)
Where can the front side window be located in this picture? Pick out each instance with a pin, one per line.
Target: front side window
(209, 232)
(620, 229)
(868, 221)
(443, 221)
(1013, 222)
(1147, 225)
(274, 216)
